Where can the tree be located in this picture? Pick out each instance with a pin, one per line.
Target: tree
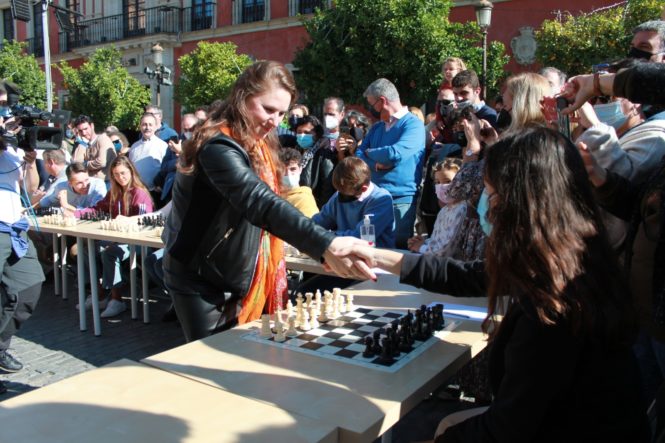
(103, 89)
(207, 73)
(575, 43)
(23, 69)
(354, 43)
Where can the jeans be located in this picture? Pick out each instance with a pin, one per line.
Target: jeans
(404, 209)
(650, 355)
(153, 266)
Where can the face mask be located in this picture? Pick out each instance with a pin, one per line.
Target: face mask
(343, 198)
(305, 141)
(443, 106)
(82, 142)
(640, 54)
(117, 144)
(291, 181)
(503, 119)
(5, 112)
(69, 133)
(483, 207)
(187, 135)
(611, 114)
(333, 135)
(442, 191)
(330, 122)
(293, 121)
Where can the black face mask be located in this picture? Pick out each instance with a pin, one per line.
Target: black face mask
(503, 119)
(459, 137)
(376, 114)
(639, 54)
(443, 108)
(343, 198)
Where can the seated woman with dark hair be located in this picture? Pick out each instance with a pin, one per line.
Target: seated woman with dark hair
(318, 159)
(560, 364)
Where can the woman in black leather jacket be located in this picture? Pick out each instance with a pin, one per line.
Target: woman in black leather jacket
(560, 363)
(223, 262)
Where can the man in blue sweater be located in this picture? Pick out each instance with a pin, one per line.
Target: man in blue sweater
(394, 150)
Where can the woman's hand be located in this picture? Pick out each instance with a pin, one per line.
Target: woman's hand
(587, 116)
(340, 259)
(597, 174)
(579, 90)
(414, 243)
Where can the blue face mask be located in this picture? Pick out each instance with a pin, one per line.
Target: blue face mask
(5, 112)
(611, 114)
(483, 207)
(305, 141)
(117, 144)
(69, 133)
(82, 142)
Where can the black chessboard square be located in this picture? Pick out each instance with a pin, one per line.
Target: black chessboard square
(346, 353)
(360, 334)
(353, 325)
(333, 335)
(392, 315)
(345, 319)
(377, 324)
(327, 326)
(308, 337)
(312, 346)
(370, 316)
(339, 343)
(363, 310)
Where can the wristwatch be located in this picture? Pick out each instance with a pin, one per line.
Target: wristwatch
(469, 152)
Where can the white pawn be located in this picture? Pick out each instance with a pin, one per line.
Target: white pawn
(305, 326)
(314, 323)
(323, 317)
(335, 306)
(349, 303)
(299, 310)
(265, 326)
(289, 309)
(279, 333)
(309, 296)
(342, 305)
(278, 318)
(291, 332)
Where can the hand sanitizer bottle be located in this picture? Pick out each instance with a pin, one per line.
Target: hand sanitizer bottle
(367, 231)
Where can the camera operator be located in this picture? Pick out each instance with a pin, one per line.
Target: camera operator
(22, 275)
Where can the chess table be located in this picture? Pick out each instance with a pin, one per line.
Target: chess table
(363, 403)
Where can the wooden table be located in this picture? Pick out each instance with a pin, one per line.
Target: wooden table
(130, 402)
(364, 403)
(91, 231)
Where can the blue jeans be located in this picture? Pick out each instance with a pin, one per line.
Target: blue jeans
(404, 209)
(650, 355)
(153, 266)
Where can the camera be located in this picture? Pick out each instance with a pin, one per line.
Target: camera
(30, 136)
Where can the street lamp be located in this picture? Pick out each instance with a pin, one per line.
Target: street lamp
(161, 72)
(484, 19)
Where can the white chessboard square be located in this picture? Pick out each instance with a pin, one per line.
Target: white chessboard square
(328, 349)
(367, 328)
(317, 332)
(351, 338)
(296, 342)
(323, 340)
(344, 331)
(354, 314)
(356, 347)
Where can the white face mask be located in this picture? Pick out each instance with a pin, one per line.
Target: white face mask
(442, 191)
(291, 181)
(187, 135)
(330, 122)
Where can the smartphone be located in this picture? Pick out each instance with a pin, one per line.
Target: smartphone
(174, 139)
(550, 109)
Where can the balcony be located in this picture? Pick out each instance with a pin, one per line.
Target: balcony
(158, 20)
(306, 6)
(35, 46)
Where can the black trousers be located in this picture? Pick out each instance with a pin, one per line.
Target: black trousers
(20, 287)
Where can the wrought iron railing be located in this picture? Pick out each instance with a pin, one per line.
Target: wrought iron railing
(35, 46)
(254, 12)
(150, 21)
(308, 6)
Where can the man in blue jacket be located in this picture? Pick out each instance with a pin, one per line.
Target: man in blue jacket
(394, 150)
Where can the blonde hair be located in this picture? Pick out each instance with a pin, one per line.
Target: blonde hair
(528, 90)
(448, 164)
(418, 113)
(461, 66)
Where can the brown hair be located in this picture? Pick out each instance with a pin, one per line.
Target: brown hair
(116, 190)
(466, 78)
(257, 79)
(75, 168)
(352, 144)
(547, 249)
(350, 175)
(448, 164)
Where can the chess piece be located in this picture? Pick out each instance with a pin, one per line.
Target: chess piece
(265, 326)
(369, 348)
(291, 332)
(313, 322)
(299, 310)
(308, 297)
(279, 333)
(349, 303)
(335, 305)
(386, 354)
(289, 309)
(317, 297)
(322, 315)
(305, 326)
(377, 342)
(278, 318)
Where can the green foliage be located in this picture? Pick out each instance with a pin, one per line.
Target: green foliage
(207, 73)
(103, 89)
(354, 43)
(575, 43)
(23, 70)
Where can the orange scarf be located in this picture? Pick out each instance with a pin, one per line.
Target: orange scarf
(268, 290)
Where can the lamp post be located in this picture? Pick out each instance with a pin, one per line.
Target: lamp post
(161, 72)
(484, 19)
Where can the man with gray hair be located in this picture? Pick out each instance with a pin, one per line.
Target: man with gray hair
(555, 77)
(164, 131)
(649, 41)
(394, 149)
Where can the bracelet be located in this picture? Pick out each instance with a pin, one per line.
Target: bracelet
(596, 85)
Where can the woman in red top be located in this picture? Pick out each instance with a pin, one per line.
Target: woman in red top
(128, 196)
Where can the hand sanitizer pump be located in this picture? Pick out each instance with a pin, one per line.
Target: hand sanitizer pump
(367, 231)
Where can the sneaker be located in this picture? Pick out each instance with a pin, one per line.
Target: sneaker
(9, 363)
(88, 303)
(114, 308)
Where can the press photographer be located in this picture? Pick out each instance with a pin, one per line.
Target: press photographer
(22, 276)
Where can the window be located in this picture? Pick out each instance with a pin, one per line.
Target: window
(134, 17)
(253, 10)
(308, 6)
(202, 13)
(37, 43)
(7, 24)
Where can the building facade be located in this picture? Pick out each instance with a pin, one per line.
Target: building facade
(263, 29)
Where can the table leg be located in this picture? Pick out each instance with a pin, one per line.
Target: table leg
(81, 280)
(63, 265)
(132, 281)
(144, 281)
(94, 281)
(56, 264)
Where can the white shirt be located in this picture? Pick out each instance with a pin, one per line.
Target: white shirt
(396, 116)
(147, 157)
(10, 176)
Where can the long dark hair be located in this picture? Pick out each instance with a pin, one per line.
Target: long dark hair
(255, 80)
(548, 246)
(116, 191)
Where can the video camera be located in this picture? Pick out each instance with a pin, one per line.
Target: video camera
(30, 136)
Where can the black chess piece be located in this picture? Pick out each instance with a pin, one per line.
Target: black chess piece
(404, 341)
(377, 342)
(394, 342)
(386, 355)
(369, 349)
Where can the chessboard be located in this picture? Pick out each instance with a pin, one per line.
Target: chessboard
(362, 337)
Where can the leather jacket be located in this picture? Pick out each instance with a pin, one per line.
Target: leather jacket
(218, 213)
